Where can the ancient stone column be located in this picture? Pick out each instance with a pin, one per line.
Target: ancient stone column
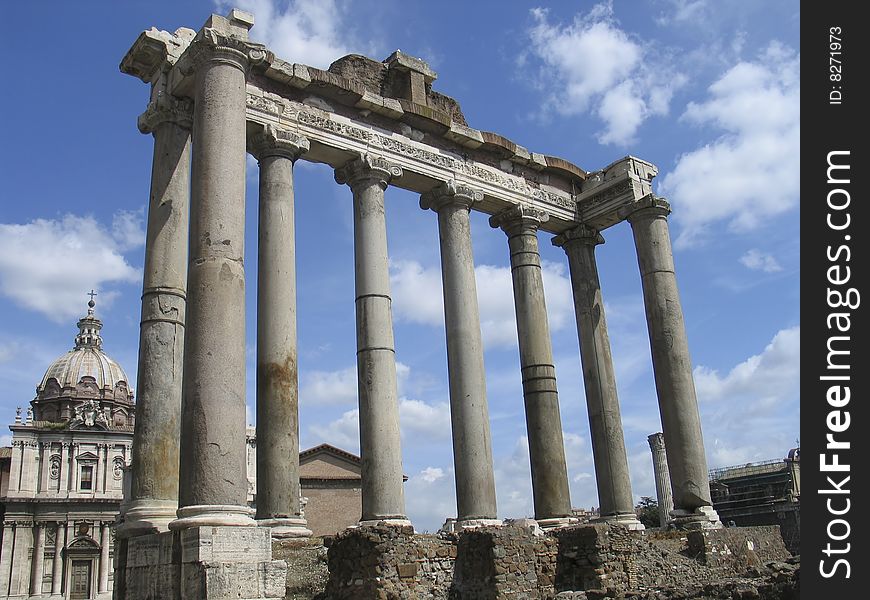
(57, 564)
(38, 560)
(213, 483)
(662, 476)
(469, 415)
(277, 380)
(105, 563)
(672, 365)
(383, 497)
(543, 422)
(605, 423)
(154, 485)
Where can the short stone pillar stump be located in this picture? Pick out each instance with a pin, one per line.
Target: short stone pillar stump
(203, 563)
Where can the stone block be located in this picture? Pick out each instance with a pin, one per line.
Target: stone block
(226, 544)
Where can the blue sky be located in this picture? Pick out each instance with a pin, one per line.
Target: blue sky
(708, 91)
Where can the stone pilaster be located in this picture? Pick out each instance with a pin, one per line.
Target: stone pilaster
(154, 478)
(213, 483)
(63, 479)
(543, 422)
(602, 404)
(105, 563)
(57, 564)
(662, 476)
(277, 379)
(383, 497)
(469, 415)
(37, 562)
(672, 365)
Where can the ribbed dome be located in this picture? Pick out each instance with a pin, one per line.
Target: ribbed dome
(86, 372)
(69, 369)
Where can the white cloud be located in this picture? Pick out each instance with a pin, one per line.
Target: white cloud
(329, 387)
(752, 413)
(420, 420)
(759, 261)
(47, 265)
(5, 441)
(764, 379)
(593, 65)
(432, 474)
(684, 11)
(750, 173)
(418, 298)
(342, 432)
(340, 387)
(311, 32)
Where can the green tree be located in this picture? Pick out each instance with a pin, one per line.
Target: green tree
(647, 511)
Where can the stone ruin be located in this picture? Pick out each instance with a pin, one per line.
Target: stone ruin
(186, 531)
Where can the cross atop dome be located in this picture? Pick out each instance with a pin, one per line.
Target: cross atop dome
(89, 328)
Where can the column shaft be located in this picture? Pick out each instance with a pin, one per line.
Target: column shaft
(154, 477)
(662, 476)
(277, 379)
(38, 560)
(57, 564)
(672, 365)
(213, 482)
(602, 403)
(63, 479)
(469, 414)
(383, 495)
(541, 399)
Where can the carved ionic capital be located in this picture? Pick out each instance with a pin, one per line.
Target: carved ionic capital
(519, 219)
(275, 142)
(367, 168)
(166, 108)
(211, 45)
(450, 192)
(582, 234)
(648, 207)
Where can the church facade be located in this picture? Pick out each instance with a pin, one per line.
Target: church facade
(63, 477)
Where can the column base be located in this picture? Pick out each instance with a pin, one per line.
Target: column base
(703, 517)
(627, 520)
(389, 522)
(464, 524)
(213, 515)
(286, 528)
(556, 522)
(146, 516)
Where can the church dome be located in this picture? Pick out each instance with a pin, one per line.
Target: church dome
(85, 373)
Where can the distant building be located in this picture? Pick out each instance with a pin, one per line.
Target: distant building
(764, 493)
(61, 482)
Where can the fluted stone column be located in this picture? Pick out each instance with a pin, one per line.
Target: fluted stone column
(38, 560)
(662, 477)
(57, 564)
(672, 365)
(469, 415)
(277, 379)
(105, 563)
(213, 481)
(154, 485)
(383, 497)
(602, 403)
(543, 422)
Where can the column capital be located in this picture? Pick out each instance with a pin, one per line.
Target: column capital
(275, 142)
(582, 234)
(166, 108)
(367, 168)
(648, 207)
(519, 219)
(211, 44)
(656, 441)
(450, 192)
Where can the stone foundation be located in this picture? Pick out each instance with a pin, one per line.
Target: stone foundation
(584, 561)
(202, 563)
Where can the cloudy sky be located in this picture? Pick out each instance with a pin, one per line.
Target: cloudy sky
(708, 91)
